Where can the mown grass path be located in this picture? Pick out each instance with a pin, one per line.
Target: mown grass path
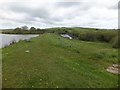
(57, 62)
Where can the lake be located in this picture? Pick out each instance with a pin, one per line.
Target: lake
(6, 39)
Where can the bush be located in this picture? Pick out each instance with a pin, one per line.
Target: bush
(89, 36)
(105, 37)
(115, 42)
(93, 36)
(18, 30)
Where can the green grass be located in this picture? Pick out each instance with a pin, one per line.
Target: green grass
(54, 62)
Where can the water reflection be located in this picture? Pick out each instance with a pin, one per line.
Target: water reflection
(6, 39)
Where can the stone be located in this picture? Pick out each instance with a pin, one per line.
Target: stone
(27, 51)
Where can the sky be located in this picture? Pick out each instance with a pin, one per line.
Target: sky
(59, 13)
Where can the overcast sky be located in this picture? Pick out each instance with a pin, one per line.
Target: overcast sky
(57, 13)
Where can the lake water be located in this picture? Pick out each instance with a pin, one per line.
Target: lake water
(6, 39)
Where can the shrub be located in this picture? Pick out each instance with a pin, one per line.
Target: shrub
(106, 37)
(93, 36)
(18, 30)
(115, 42)
(13, 42)
(89, 36)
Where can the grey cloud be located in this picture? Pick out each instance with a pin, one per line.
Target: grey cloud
(20, 21)
(32, 13)
(67, 4)
(79, 13)
(41, 13)
(116, 6)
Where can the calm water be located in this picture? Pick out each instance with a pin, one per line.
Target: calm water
(6, 39)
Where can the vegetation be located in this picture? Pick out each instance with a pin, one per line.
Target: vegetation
(32, 28)
(85, 34)
(56, 62)
(115, 42)
(22, 31)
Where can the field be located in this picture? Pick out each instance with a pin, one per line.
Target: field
(57, 62)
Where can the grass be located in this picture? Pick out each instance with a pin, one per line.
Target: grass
(56, 62)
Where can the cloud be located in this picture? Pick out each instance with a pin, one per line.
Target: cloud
(67, 4)
(85, 13)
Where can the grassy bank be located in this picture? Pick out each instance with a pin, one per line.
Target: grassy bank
(57, 62)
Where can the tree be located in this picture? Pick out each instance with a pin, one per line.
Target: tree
(38, 29)
(32, 28)
(17, 29)
(24, 27)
